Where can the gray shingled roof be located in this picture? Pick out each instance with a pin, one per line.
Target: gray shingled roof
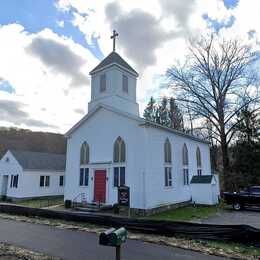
(202, 179)
(40, 161)
(113, 58)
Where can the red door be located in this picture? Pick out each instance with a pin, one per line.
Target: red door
(100, 186)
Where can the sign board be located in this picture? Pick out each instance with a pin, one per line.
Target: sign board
(124, 196)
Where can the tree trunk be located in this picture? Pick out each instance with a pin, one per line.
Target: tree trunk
(224, 147)
(225, 162)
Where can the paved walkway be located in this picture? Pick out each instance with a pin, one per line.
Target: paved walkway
(230, 217)
(77, 245)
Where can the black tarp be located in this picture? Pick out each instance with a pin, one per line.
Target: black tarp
(234, 233)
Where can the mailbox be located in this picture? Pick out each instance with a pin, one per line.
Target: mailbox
(104, 237)
(118, 237)
(113, 237)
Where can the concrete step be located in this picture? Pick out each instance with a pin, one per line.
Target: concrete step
(87, 209)
(92, 207)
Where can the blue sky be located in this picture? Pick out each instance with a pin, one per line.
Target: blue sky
(230, 4)
(5, 86)
(48, 47)
(38, 15)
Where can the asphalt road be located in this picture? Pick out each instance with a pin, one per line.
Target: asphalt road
(69, 244)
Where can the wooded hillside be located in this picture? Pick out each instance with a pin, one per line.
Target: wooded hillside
(24, 139)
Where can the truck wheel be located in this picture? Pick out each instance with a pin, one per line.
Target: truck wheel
(237, 206)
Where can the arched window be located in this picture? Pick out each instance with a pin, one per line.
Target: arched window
(119, 150)
(167, 151)
(84, 153)
(185, 163)
(84, 159)
(198, 158)
(119, 157)
(185, 156)
(167, 160)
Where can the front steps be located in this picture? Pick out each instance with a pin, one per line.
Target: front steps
(93, 207)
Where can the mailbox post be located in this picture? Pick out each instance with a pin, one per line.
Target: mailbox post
(118, 253)
(114, 237)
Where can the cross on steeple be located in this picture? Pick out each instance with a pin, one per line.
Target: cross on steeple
(115, 34)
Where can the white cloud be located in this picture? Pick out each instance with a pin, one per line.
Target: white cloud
(46, 88)
(154, 46)
(152, 36)
(59, 58)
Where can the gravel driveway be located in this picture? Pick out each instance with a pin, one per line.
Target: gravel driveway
(230, 217)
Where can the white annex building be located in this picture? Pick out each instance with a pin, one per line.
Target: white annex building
(26, 174)
(112, 146)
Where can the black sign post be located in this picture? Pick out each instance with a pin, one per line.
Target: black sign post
(124, 197)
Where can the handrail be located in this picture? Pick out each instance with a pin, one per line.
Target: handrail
(74, 200)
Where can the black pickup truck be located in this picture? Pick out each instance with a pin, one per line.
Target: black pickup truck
(250, 197)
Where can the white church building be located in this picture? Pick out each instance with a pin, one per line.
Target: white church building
(112, 146)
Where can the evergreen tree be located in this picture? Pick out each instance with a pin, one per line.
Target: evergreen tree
(175, 115)
(165, 113)
(248, 126)
(245, 160)
(149, 112)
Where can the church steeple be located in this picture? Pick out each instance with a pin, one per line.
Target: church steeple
(113, 83)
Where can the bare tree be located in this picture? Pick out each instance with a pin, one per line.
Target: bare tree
(216, 83)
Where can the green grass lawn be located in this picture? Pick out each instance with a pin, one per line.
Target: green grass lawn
(245, 250)
(187, 213)
(41, 203)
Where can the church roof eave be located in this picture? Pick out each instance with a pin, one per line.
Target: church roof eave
(114, 64)
(113, 58)
(174, 131)
(142, 122)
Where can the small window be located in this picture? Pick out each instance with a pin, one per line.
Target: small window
(125, 83)
(185, 163)
(186, 176)
(11, 183)
(119, 150)
(116, 176)
(47, 181)
(84, 153)
(167, 151)
(185, 156)
(44, 181)
(83, 176)
(168, 176)
(122, 176)
(14, 181)
(119, 176)
(61, 182)
(103, 83)
(198, 158)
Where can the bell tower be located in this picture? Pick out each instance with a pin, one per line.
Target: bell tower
(113, 83)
